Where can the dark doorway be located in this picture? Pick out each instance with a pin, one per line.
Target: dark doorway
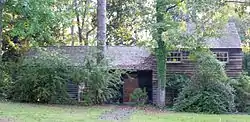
(145, 81)
(130, 84)
(137, 79)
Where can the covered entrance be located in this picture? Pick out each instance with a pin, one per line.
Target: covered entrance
(130, 84)
(139, 79)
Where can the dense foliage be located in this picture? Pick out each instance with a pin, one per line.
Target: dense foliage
(7, 75)
(242, 93)
(2, 82)
(177, 82)
(139, 96)
(208, 91)
(33, 21)
(246, 62)
(41, 79)
(102, 83)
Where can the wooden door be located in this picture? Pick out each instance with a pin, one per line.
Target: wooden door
(130, 84)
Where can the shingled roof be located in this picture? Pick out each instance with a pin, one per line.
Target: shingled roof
(229, 37)
(120, 56)
(139, 58)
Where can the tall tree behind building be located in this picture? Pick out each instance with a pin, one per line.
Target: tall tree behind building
(1, 25)
(101, 28)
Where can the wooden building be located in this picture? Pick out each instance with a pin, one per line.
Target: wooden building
(142, 62)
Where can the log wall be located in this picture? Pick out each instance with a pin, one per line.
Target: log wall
(233, 67)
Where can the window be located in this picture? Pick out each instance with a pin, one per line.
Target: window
(174, 57)
(185, 55)
(222, 56)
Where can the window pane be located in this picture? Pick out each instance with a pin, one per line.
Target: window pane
(222, 56)
(174, 57)
(185, 55)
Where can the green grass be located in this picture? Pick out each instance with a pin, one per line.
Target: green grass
(58, 113)
(51, 113)
(142, 116)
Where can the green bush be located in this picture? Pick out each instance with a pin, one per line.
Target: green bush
(42, 78)
(215, 98)
(7, 70)
(174, 85)
(242, 93)
(2, 80)
(139, 96)
(177, 81)
(208, 92)
(246, 62)
(102, 83)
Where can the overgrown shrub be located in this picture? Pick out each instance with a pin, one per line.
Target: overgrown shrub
(246, 62)
(102, 81)
(2, 80)
(139, 96)
(208, 92)
(174, 85)
(242, 93)
(41, 78)
(177, 81)
(7, 70)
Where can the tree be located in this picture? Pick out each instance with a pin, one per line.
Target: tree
(101, 28)
(1, 24)
(162, 27)
(84, 19)
(76, 6)
(171, 30)
(242, 20)
(127, 20)
(32, 22)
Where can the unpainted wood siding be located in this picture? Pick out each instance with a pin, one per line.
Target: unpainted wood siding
(233, 67)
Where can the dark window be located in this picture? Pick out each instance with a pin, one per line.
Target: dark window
(222, 56)
(174, 57)
(185, 54)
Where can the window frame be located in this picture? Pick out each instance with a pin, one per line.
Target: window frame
(174, 62)
(185, 55)
(218, 58)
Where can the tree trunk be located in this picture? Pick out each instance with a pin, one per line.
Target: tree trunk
(101, 28)
(160, 56)
(87, 2)
(1, 25)
(161, 74)
(63, 35)
(72, 35)
(78, 22)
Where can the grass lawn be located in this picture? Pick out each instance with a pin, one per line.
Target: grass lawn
(53, 113)
(142, 116)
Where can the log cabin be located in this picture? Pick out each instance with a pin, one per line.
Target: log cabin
(142, 63)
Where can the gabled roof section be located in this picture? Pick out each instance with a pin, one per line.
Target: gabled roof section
(229, 37)
(129, 57)
(134, 58)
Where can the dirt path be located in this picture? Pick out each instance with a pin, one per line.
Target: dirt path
(6, 120)
(118, 114)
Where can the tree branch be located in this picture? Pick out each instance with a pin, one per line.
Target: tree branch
(173, 6)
